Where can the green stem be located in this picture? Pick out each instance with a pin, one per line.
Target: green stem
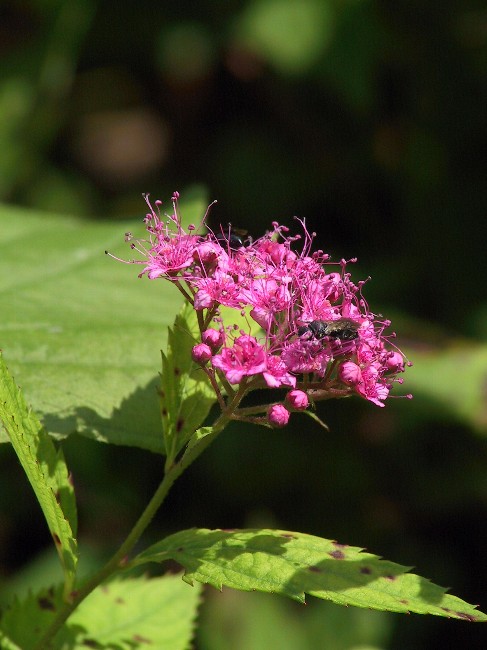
(118, 560)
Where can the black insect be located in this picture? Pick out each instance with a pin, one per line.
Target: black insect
(342, 329)
(232, 238)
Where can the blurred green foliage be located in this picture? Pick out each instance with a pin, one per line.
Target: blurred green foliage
(368, 119)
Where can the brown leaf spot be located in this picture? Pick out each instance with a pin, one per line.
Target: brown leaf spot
(288, 535)
(177, 372)
(466, 617)
(120, 601)
(366, 570)
(46, 603)
(338, 545)
(390, 578)
(140, 639)
(314, 569)
(403, 601)
(337, 555)
(56, 539)
(179, 425)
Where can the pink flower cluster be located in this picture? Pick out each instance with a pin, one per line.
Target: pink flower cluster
(317, 335)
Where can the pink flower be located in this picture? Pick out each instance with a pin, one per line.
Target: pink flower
(169, 257)
(245, 358)
(217, 290)
(278, 415)
(268, 299)
(372, 386)
(276, 373)
(310, 356)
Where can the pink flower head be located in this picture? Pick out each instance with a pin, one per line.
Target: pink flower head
(318, 335)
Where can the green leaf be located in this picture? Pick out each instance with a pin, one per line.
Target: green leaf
(81, 332)
(123, 614)
(291, 35)
(199, 437)
(46, 470)
(7, 644)
(293, 564)
(186, 392)
(24, 621)
(458, 387)
(142, 612)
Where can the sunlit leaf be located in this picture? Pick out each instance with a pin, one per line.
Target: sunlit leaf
(138, 613)
(295, 564)
(123, 614)
(46, 470)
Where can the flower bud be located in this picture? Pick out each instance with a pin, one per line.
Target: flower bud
(213, 338)
(278, 415)
(350, 373)
(395, 362)
(297, 400)
(201, 353)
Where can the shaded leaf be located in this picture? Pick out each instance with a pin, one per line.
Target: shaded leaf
(293, 564)
(80, 331)
(25, 621)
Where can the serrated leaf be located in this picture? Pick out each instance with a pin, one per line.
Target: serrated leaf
(186, 393)
(295, 564)
(139, 613)
(45, 468)
(123, 614)
(81, 332)
(24, 621)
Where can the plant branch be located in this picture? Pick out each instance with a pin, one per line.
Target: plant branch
(119, 559)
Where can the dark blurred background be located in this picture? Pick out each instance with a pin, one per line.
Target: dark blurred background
(368, 119)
